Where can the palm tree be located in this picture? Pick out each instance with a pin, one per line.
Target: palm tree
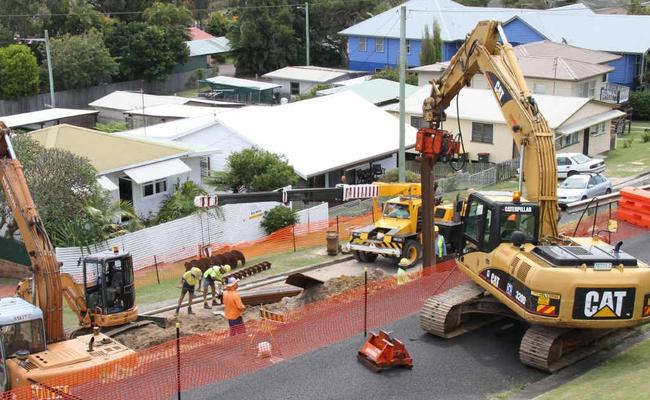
(181, 203)
(111, 219)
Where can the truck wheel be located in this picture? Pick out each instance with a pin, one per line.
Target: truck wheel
(412, 251)
(370, 257)
(357, 255)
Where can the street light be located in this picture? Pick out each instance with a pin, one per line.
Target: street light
(46, 39)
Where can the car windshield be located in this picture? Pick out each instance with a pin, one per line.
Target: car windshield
(581, 158)
(393, 210)
(575, 182)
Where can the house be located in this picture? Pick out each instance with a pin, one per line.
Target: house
(580, 124)
(323, 138)
(51, 116)
(204, 50)
(427, 73)
(300, 79)
(139, 170)
(379, 92)
(140, 117)
(112, 106)
(241, 90)
(373, 44)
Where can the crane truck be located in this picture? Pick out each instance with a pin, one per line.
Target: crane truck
(571, 292)
(33, 344)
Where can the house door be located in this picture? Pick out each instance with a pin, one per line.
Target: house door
(585, 142)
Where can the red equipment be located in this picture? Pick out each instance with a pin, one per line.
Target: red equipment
(381, 352)
(434, 143)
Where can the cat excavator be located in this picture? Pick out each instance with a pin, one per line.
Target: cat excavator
(33, 344)
(572, 293)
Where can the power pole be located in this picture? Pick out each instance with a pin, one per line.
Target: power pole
(401, 157)
(307, 33)
(49, 68)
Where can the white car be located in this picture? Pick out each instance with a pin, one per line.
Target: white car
(582, 187)
(577, 163)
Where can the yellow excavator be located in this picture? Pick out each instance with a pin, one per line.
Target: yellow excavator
(33, 344)
(572, 292)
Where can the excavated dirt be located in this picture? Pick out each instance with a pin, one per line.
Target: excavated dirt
(205, 320)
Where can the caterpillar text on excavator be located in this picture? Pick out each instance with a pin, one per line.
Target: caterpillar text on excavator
(572, 292)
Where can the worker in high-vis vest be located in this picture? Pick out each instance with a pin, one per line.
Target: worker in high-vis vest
(439, 240)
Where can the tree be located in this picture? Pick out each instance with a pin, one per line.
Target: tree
(111, 127)
(19, 74)
(181, 203)
(635, 8)
(393, 176)
(312, 92)
(277, 218)
(426, 48)
(393, 75)
(21, 26)
(125, 10)
(474, 3)
(81, 61)
(217, 24)
(168, 15)
(437, 43)
(73, 17)
(255, 170)
(145, 51)
(263, 39)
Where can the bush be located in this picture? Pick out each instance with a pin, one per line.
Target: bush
(627, 143)
(645, 137)
(278, 218)
(640, 102)
(393, 176)
(111, 127)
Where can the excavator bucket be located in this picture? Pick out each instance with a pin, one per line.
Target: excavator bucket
(381, 352)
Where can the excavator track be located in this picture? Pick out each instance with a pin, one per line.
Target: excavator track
(550, 349)
(461, 309)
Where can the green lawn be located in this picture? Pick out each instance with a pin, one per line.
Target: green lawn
(630, 161)
(624, 376)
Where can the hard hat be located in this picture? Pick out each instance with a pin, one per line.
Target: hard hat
(404, 262)
(436, 229)
(226, 268)
(196, 271)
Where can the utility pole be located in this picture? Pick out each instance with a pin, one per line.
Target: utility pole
(401, 158)
(49, 68)
(306, 33)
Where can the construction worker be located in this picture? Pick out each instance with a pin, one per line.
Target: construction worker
(439, 240)
(233, 307)
(212, 278)
(189, 280)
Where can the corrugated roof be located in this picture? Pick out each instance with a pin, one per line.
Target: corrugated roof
(106, 151)
(308, 74)
(198, 34)
(320, 134)
(174, 129)
(352, 81)
(37, 117)
(244, 83)
(123, 100)
(590, 121)
(177, 111)
(560, 68)
(375, 91)
(437, 67)
(204, 47)
(480, 105)
(455, 20)
(547, 48)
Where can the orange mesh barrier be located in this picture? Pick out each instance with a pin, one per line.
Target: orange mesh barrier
(215, 356)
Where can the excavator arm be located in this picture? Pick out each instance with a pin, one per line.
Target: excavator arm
(482, 52)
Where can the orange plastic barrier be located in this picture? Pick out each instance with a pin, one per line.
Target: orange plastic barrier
(634, 206)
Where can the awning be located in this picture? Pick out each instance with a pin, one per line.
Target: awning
(106, 184)
(589, 121)
(157, 171)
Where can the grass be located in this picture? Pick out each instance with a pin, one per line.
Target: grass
(507, 185)
(630, 161)
(506, 394)
(624, 376)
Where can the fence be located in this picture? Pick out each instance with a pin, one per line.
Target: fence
(179, 239)
(505, 170)
(80, 98)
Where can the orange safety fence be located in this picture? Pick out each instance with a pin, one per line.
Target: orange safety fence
(215, 356)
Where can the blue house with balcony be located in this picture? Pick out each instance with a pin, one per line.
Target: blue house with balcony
(373, 44)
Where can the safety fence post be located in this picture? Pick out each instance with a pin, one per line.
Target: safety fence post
(337, 226)
(293, 234)
(365, 302)
(155, 262)
(178, 360)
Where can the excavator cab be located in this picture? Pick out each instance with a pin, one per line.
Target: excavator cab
(108, 282)
(491, 218)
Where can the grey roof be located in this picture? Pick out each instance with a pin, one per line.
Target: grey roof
(376, 91)
(455, 20)
(205, 47)
(560, 68)
(546, 48)
(238, 82)
(309, 73)
(41, 116)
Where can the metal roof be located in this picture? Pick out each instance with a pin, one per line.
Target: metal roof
(204, 47)
(546, 48)
(243, 83)
(198, 34)
(177, 111)
(560, 68)
(174, 129)
(455, 20)
(437, 67)
(123, 100)
(308, 73)
(590, 121)
(38, 117)
(376, 91)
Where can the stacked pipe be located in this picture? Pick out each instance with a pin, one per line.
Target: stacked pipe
(263, 266)
(234, 258)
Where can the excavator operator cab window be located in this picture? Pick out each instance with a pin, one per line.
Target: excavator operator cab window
(478, 225)
(26, 335)
(109, 284)
(395, 210)
(512, 221)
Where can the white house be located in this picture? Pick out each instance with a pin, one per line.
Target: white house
(51, 116)
(580, 124)
(323, 138)
(300, 79)
(139, 170)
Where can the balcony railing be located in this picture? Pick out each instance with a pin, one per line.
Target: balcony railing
(613, 93)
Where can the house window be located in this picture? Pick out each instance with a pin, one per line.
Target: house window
(539, 88)
(604, 77)
(482, 133)
(567, 140)
(295, 88)
(154, 187)
(418, 122)
(379, 45)
(363, 44)
(599, 129)
(587, 89)
(408, 46)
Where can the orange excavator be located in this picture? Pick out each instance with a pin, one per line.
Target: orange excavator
(33, 344)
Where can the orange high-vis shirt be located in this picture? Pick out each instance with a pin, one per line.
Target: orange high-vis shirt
(232, 304)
